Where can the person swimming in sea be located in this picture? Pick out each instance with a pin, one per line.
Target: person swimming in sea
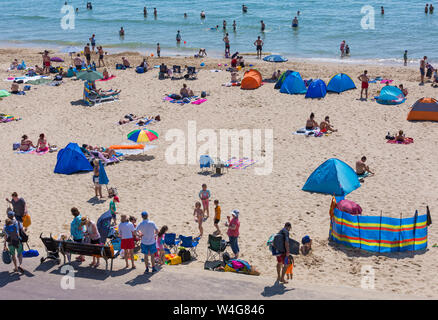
(202, 14)
(155, 12)
(145, 11)
(244, 8)
(295, 22)
(121, 32)
(262, 25)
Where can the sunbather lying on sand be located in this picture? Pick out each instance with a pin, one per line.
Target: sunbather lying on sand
(186, 92)
(325, 126)
(144, 121)
(311, 124)
(105, 93)
(25, 143)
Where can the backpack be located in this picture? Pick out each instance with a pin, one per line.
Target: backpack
(139, 70)
(185, 255)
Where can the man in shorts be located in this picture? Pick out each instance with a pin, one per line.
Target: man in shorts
(87, 53)
(227, 45)
(364, 79)
(259, 46)
(146, 230)
(13, 244)
(281, 259)
(423, 69)
(93, 42)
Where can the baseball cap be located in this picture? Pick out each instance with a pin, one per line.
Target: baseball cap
(116, 198)
(235, 213)
(144, 214)
(11, 214)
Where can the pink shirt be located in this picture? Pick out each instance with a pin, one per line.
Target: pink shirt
(235, 232)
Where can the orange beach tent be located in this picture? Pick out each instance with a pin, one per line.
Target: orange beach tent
(252, 79)
(425, 109)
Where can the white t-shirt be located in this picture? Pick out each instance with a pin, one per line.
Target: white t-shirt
(125, 230)
(147, 228)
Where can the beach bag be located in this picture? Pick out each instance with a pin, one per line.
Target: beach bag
(173, 259)
(26, 88)
(120, 66)
(185, 255)
(30, 253)
(226, 257)
(53, 70)
(349, 206)
(6, 257)
(15, 146)
(139, 70)
(23, 236)
(27, 221)
(212, 265)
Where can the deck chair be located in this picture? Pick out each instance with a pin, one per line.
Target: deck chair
(216, 246)
(177, 74)
(163, 72)
(171, 242)
(92, 97)
(190, 244)
(205, 161)
(191, 73)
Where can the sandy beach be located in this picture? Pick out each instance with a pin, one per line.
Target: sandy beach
(405, 178)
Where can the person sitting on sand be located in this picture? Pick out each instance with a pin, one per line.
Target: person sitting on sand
(241, 61)
(14, 65)
(186, 92)
(325, 126)
(234, 78)
(42, 145)
(144, 64)
(125, 62)
(234, 63)
(38, 69)
(306, 245)
(362, 168)
(15, 88)
(400, 137)
(435, 78)
(78, 62)
(405, 91)
(276, 75)
(311, 124)
(25, 143)
(105, 74)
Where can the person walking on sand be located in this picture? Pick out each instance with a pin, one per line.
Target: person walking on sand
(405, 58)
(198, 213)
(423, 69)
(126, 233)
(19, 206)
(259, 46)
(13, 243)
(205, 195)
(217, 217)
(233, 232)
(284, 253)
(147, 230)
(364, 79)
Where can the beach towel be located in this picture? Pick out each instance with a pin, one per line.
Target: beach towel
(305, 132)
(109, 78)
(406, 141)
(242, 163)
(146, 123)
(231, 84)
(363, 175)
(32, 151)
(4, 93)
(386, 81)
(199, 101)
(25, 79)
(181, 101)
(7, 118)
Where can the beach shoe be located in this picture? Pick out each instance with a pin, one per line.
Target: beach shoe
(154, 269)
(147, 270)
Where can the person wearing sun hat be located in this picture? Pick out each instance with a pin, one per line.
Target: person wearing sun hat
(233, 232)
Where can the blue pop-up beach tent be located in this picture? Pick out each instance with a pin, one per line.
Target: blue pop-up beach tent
(280, 80)
(293, 84)
(340, 83)
(317, 89)
(333, 177)
(71, 159)
(390, 95)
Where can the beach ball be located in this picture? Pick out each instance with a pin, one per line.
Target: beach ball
(185, 42)
(152, 54)
(239, 67)
(218, 64)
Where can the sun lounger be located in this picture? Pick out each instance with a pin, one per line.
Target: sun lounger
(177, 74)
(92, 97)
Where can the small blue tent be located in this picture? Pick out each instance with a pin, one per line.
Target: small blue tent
(390, 95)
(280, 80)
(71, 160)
(275, 58)
(317, 89)
(340, 83)
(293, 84)
(333, 177)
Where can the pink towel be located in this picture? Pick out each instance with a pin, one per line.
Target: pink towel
(109, 78)
(199, 101)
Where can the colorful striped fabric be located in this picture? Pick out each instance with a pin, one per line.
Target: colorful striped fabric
(379, 234)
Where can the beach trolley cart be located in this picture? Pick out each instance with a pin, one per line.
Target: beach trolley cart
(52, 248)
(67, 248)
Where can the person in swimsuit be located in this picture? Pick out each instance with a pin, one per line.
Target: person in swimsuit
(145, 12)
(121, 32)
(42, 145)
(125, 62)
(100, 51)
(155, 12)
(97, 186)
(364, 79)
(227, 45)
(178, 37)
(342, 48)
(361, 167)
(244, 8)
(199, 217)
(423, 69)
(234, 25)
(259, 46)
(431, 8)
(426, 8)
(295, 22)
(204, 195)
(311, 124)
(400, 137)
(405, 91)
(78, 62)
(15, 88)
(326, 127)
(25, 143)
(93, 42)
(87, 53)
(382, 10)
(202, 15)
(262, 25)
(46, 62)
(186, 92)
(405, 58)
(158, 50)
(224, 25)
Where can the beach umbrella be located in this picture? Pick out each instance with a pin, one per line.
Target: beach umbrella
(275, 58)
(56, 59)
(70, 49)
(89, 75)
(103, 178)
(142, 135)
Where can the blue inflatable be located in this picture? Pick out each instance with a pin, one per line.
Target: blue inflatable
(275, 58)
(333, 177)
(340, 83)
(71, 159)
(390, 95)
(293, 84)
(317, 89)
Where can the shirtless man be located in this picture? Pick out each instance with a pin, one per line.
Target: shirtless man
(185, 91)
(224, 25)
(155, 12)
(93, 42)
(145, 12)
(46, 62)
(122, 32)
(295, 22)
(244, 8)
(262, 25)
(227, 44)
(361, 167)
(100, 51)
(87, 53)
(423, 69)
(259, 46)
(202, 14)
(15, 88)
(364, 79)
(234, 25)
(325, 126)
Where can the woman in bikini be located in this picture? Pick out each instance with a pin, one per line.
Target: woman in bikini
(199, 217)
(311, 124)
(26, 144)
(42, 145)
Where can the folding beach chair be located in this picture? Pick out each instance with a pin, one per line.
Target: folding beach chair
(191, 73)
(205, 161)
(92, 97)
(216, 246)
(171, 242)
(190, 244)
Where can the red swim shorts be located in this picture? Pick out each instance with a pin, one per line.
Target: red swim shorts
(127, 244)
(364, 85)
(280, 258)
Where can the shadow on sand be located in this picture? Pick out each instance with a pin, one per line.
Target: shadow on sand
(276, 289)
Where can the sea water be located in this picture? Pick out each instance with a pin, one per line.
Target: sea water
(323, 24)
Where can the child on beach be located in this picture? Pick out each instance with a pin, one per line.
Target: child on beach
(306, 245)
(217, 217)
(199, 217)
(97, 186)
(289, 261)
(160, 243)
(204, 195)
(112, 207)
